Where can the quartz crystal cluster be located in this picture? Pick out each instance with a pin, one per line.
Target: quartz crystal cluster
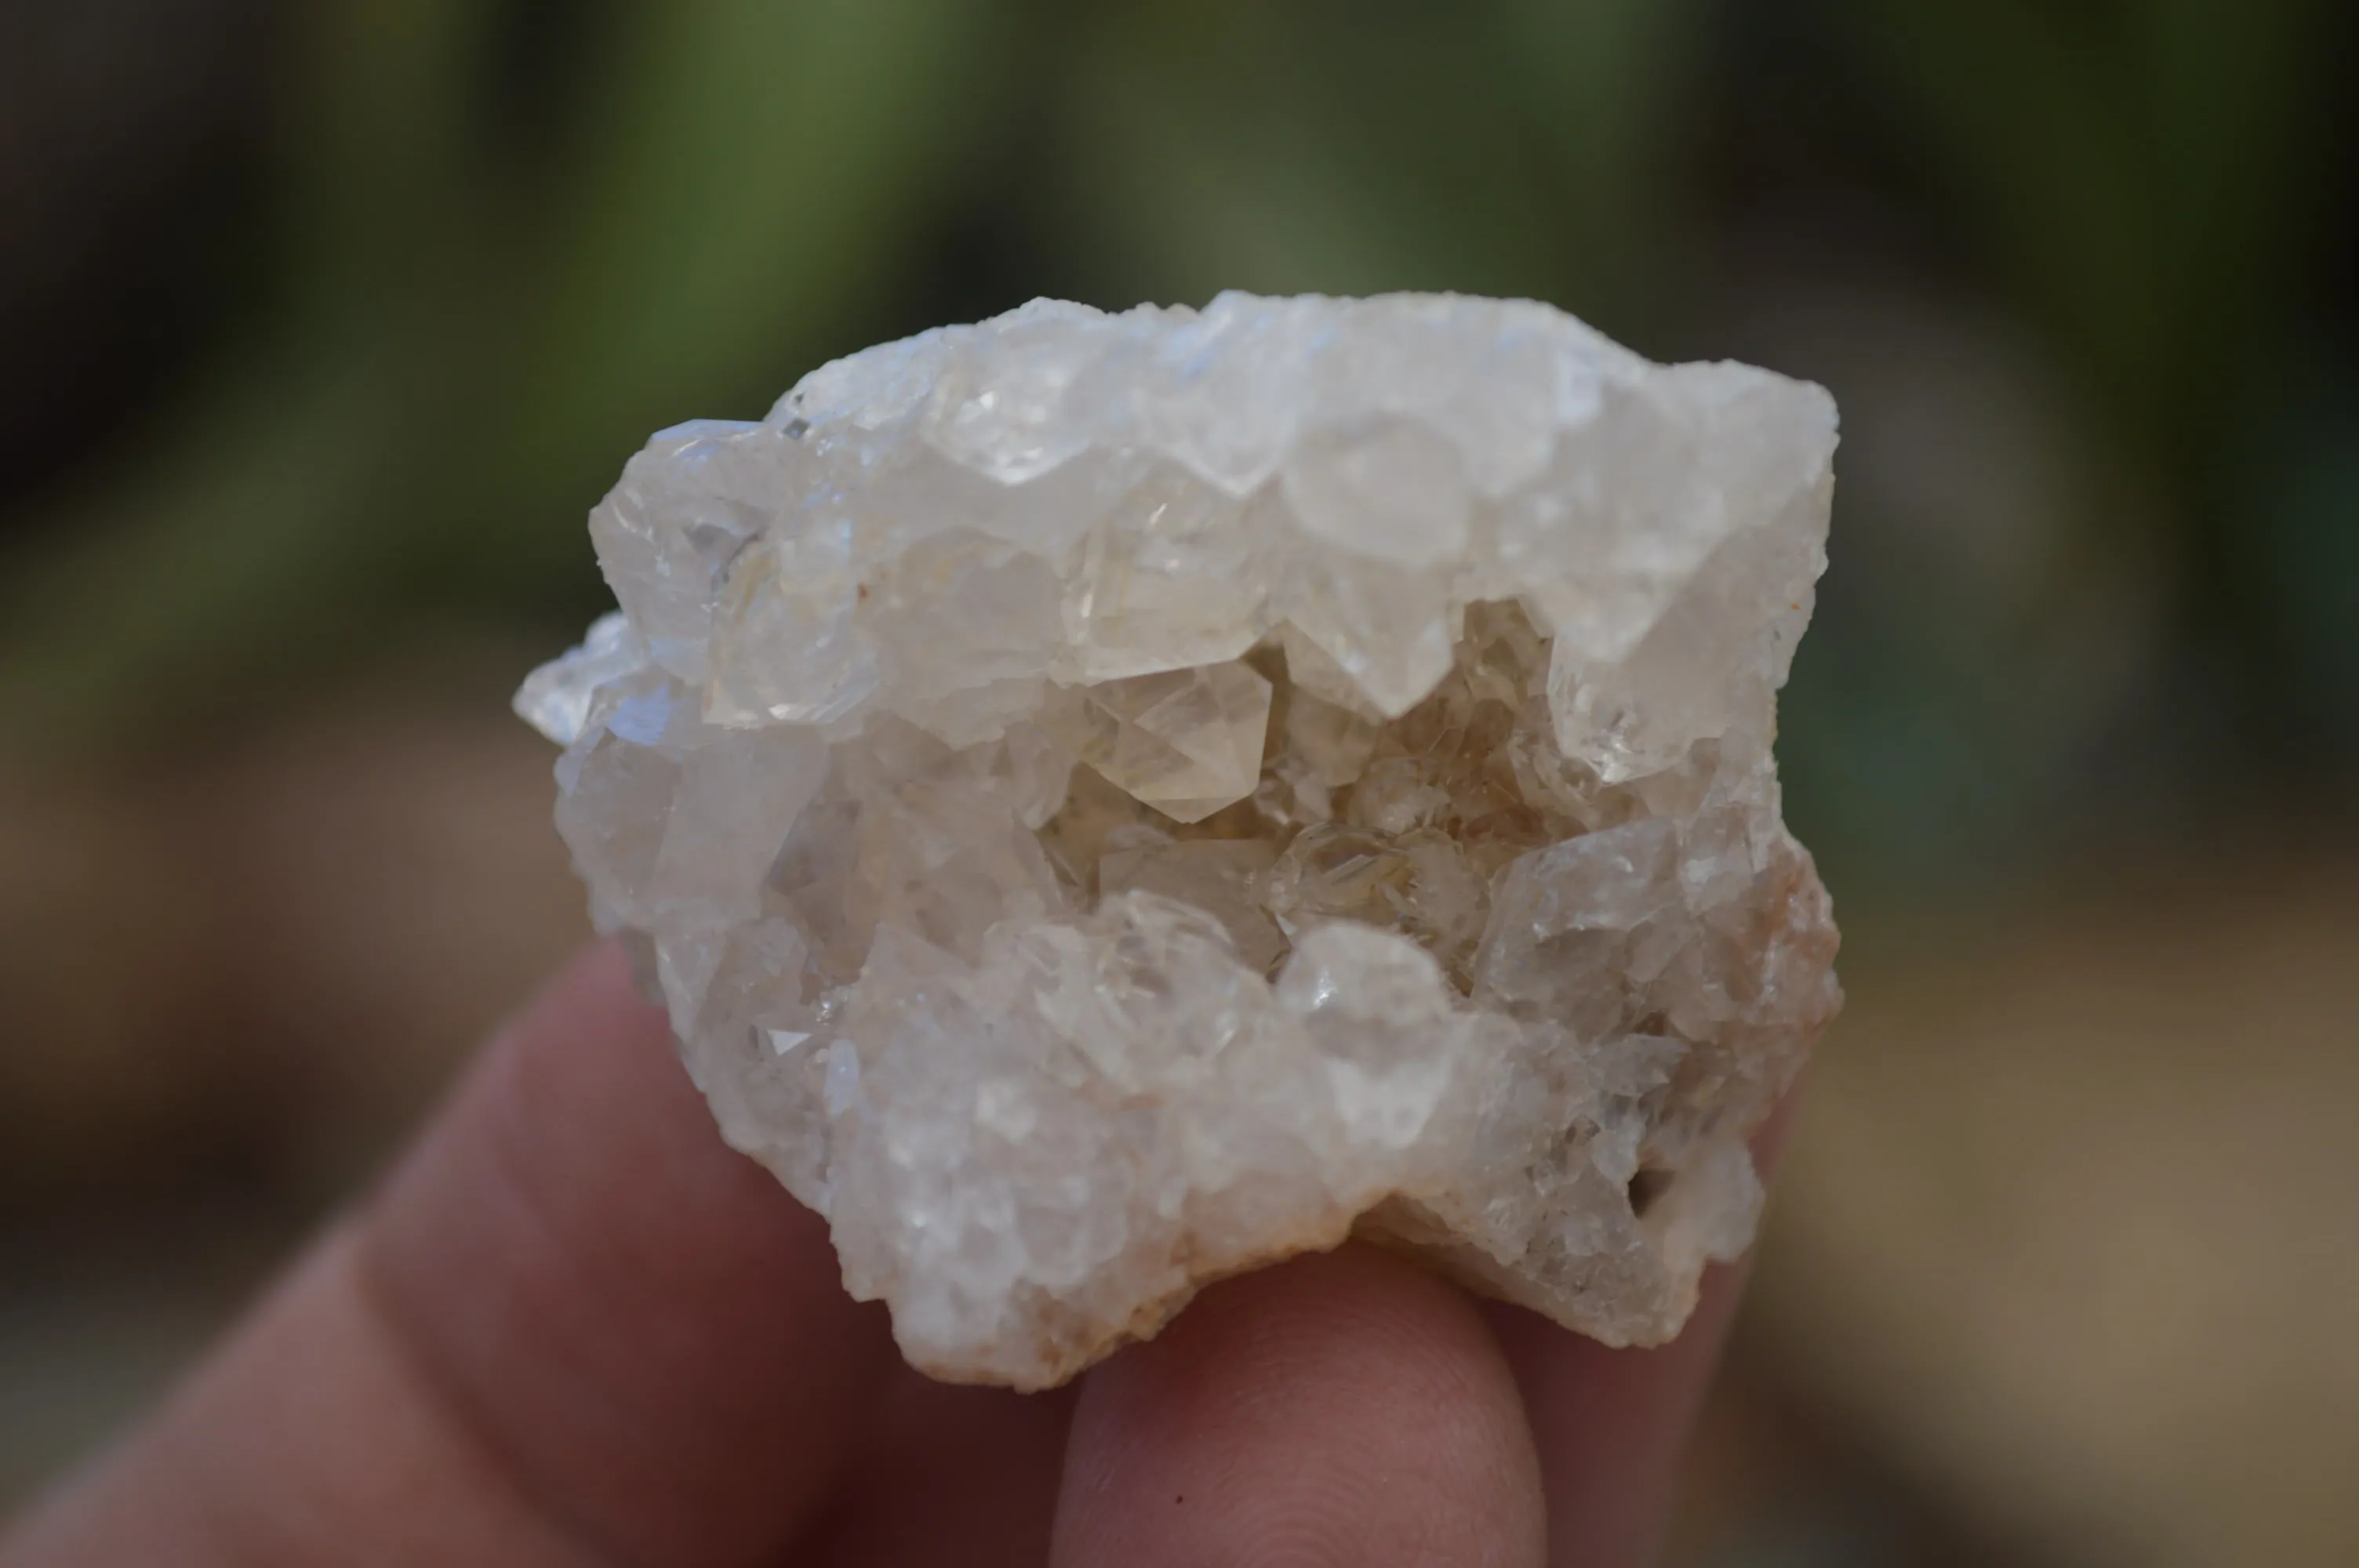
(1113, 800)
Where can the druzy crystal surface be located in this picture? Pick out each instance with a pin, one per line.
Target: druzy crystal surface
(1111, 801)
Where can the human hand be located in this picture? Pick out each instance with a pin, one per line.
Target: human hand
(573, 1329)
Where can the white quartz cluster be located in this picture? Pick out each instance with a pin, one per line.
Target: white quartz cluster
(1110, 800)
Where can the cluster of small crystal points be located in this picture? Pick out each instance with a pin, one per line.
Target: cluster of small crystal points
(1110, 800)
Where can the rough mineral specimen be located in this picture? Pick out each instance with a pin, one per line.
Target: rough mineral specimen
(1110, 800)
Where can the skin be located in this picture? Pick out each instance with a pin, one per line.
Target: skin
(571, 1330)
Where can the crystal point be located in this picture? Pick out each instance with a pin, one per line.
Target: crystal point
(1186, 742)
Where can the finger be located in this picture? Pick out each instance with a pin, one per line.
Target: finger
(577, 1317)
(952, 1474)
(308, 1438)
(1610, 1426)
(1345, 1408)
(645, 1323)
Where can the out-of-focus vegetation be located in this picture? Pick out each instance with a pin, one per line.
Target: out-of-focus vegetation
(326, 321)
(497, 241)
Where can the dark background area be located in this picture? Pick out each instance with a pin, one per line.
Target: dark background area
(324, 324)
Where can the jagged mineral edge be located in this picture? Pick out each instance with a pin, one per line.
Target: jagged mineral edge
(1109, 801)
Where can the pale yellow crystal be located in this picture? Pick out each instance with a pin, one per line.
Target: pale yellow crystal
(1186, 742)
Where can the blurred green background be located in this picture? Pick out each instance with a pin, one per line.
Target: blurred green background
(323, 324)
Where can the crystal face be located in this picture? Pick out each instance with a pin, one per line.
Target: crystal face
(1186, 742)
(1111, 801)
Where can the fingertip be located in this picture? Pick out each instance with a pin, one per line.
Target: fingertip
(570, 1329)
(644, 1323)
(1344, 1408)
(1611, 1424)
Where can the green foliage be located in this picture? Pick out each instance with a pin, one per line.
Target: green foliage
(2146, 181)
(471, 329)
(2145, 175)
(465, 350)
(1515, 147)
